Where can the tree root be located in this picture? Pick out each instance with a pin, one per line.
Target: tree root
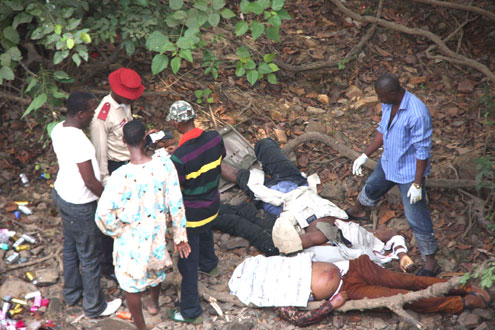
(34, 262)
(396, 303)
(450, 55)
(371, 164)
(477, 10)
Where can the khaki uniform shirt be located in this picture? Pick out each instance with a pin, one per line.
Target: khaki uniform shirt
(106, 133)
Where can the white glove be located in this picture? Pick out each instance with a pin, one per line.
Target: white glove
(414, 194)
(356, 167)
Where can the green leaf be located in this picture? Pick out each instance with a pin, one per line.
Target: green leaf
(244, 6)
(5, 59)
(284, 15)
(73, 23)
(130, 47)
(252, 76)
(274, 67)
(167, 47)
(67, 12)
(268, 57)
(257, 29)
(255, 7)
(60, 56)
(250, 65)
(142, 3)
(201, 5)
(264, 68)
(14, 53)
(50, 127)
(275, 21)
(57, 28)
(175, 64)
(155, 41)
(176, 4)
(198, 93)
(243, 52)
(227, 13)
(21, 18)
(77, 59)
(70, 43)
(272, 78)
(37, 33)
(159, 63)
(7, 73)
(264, 3)
(171, 21)
(277, 4)
(60, 75)
(218, 4)
(180, 15)
(186, 54)
(239, 72)
(272, 33)
(11, 34)
(82, 50)
(34, 9)
(31, 84)
(214, 19)
(61, 94)
(240, 28)
(35, 104)
(86, 37)
(14, 5)
(185, 42)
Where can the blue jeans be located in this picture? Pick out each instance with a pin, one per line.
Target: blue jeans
(417, 214)
(277, 167)
(203, 256)
(81, 250)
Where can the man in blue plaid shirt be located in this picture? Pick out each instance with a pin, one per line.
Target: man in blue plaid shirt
(405, 134)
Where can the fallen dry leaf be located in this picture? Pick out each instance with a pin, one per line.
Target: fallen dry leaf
(386, 217)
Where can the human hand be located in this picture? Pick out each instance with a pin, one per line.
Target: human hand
(414, 194)
(356, 166)
(183, 248)
(339, 299)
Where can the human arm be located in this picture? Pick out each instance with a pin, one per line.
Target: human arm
(374, 145)
(88, 176)
(421, 140)
(99, 138)
(175, 206)
(110, 205)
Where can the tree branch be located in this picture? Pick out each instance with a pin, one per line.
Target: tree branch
(450, 55)
(27, 100)
(477, 10)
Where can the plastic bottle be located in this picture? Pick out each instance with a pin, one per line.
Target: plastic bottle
(24, 179)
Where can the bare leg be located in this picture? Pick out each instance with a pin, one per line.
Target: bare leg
(134, 304)
(151, 304)
(229, 173)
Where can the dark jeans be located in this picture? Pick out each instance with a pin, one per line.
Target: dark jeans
(106, 258)
(242, 220)
(203, 256)
(275, 164)
(80, 250)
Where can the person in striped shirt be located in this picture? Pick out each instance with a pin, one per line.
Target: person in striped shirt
(405, 134)
(197, 159)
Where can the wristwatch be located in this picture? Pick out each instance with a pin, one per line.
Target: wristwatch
(417, 186)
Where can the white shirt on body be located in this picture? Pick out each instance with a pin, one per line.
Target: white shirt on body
(72, 146)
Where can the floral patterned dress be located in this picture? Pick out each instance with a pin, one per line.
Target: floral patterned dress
(134, 209)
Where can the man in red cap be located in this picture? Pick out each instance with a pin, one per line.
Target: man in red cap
(113, 112)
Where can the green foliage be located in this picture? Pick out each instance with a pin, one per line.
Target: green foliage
(486, 274)
(173, 31)
(203, 95)
(487, 106)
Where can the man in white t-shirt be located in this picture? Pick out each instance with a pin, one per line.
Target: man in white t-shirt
(76, 191)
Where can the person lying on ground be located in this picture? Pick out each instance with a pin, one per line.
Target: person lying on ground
(138, 200)
(300, 279)
(290, 196)
(330, 240)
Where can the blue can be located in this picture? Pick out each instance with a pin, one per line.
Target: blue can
(17, 214)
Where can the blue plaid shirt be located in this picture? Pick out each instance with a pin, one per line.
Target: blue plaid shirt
(406, 139)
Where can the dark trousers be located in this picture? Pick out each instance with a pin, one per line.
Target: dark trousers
(242, 220)
(276, 165)
(106, 242)
(81, 250)
(203, 256)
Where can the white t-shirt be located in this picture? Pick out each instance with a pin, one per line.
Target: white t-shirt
(72, 146)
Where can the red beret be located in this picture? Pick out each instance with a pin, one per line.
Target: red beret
(126, 83)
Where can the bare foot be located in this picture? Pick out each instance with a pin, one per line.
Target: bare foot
(151, 306)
